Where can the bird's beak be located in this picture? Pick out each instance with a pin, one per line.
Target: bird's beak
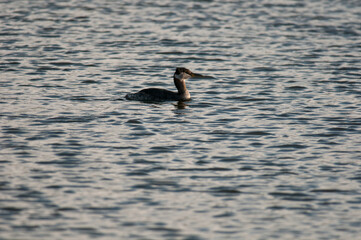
(196, 75)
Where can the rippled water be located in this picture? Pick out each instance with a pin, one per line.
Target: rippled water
(269, 148)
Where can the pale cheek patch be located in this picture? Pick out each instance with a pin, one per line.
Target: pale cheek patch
(186, 75)
(178, 76)
(182, 76)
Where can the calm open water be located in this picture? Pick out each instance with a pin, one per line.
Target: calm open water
(270, 148)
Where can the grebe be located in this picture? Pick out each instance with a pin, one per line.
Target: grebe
(155, 94)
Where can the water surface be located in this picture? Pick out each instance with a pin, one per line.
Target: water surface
(269, 148)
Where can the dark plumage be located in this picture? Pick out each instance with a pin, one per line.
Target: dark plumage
(156, 94)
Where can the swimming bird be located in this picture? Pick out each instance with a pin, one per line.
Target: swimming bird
(156, 94)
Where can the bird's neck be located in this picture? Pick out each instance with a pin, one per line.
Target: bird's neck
(180, 85)
(182, 88)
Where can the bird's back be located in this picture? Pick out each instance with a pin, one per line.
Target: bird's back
(154, 94)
